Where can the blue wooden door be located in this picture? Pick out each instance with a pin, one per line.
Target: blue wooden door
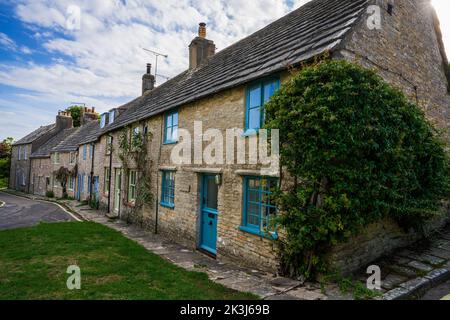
(208, 227)
(79, 186)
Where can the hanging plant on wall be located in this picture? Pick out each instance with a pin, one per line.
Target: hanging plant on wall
(62, 175)
(133, 153)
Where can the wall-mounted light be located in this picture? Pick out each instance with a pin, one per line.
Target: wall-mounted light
(218, 179)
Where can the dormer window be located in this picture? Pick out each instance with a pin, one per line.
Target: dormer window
(112, 115)
(103, 120)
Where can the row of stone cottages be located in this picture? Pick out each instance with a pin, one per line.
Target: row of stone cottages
(222, 209)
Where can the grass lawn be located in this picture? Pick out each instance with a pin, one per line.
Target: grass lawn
(33, 264)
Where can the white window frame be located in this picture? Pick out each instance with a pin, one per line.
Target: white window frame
(72, 158)
(70, 182)
(56, 158)
(132, 186)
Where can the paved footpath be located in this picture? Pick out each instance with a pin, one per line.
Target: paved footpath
(406, 274)
(411, 272)
(235, 277)
(19, 212)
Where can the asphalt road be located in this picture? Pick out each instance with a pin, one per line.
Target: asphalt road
(18, 212)
(438, 292)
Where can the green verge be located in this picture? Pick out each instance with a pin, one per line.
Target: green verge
(34, 263)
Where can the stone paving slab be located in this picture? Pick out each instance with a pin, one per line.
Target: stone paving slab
(405, 273)
(232, 276)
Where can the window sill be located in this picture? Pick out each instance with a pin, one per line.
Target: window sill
(250, 132)
(167, 205)
(267, 235)
(169, 142)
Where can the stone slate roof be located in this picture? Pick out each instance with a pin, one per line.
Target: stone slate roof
(78, 137)
(94, 133)
(314, 28)
(46, 148)
(36, 134)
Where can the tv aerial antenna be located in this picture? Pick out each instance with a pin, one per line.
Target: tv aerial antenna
(157, 55)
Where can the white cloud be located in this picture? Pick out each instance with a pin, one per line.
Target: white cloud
(9, 44)
(103, 61)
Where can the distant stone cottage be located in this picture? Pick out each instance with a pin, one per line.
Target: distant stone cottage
(222, 209)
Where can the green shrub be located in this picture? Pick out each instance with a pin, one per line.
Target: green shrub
(50, 194)
(357, 151)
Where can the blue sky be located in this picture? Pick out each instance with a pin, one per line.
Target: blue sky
(48, 60)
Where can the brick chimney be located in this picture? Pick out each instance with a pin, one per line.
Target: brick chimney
(63, 121)
(200, 48)
(148, 80)
(87, 115)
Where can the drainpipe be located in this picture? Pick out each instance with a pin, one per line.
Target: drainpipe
(110, 175)
(29, 174)
(157, 175)
(92, 171)
(10, 167)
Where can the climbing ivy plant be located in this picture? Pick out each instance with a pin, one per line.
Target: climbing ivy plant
(356, 151)
(62, 175)
(133, 153)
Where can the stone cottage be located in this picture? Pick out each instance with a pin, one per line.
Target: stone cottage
(20, 174)
(222, 208)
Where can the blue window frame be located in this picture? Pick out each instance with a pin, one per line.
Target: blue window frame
(257, 95)
(171, 128)
(82, 182)
(84, 152)
(168, 189)
(112, 114)
(258, 207)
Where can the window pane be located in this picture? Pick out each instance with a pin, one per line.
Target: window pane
(175, 133)
(169, 121)
(175, 119)
(254, 118)
(269, 89)
(254, 97)
(169, 134)
(212, 190)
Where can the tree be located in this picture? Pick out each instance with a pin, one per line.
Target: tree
(76, 113)
(5, 160)
(357, 151)
(5, 148)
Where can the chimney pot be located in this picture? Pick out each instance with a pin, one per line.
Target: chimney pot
(202, 30)
(200, 48)
(148, 80)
